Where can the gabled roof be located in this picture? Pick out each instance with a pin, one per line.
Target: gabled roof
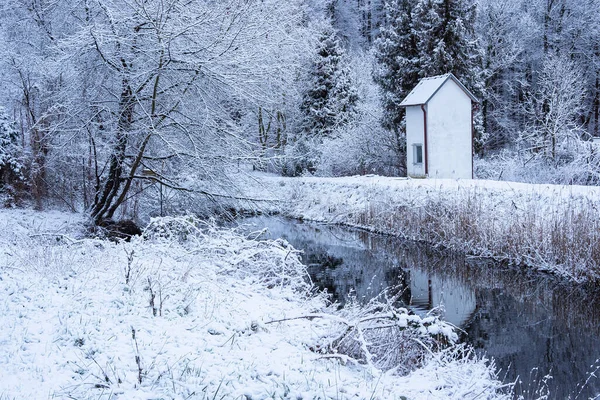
(428, 87)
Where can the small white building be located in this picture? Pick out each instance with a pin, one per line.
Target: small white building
(439, 129)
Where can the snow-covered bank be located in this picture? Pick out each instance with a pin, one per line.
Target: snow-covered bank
(168, 317)
(548, 227)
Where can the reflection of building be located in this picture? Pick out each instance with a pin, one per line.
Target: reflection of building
(342, 263)
(430, 290)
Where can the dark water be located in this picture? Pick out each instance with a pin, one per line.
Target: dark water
(532, 325)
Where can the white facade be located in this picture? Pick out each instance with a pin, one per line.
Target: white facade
(429, 290)
(439, 133)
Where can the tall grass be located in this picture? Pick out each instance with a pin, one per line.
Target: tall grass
(561, 233)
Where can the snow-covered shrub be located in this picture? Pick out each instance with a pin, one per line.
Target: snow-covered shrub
(273, 263)
(172, 228)
(358, 149)
(301, 157)
(504, 165)
(386, 337)
(578, 163)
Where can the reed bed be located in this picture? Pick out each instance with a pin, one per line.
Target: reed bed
(535, 229)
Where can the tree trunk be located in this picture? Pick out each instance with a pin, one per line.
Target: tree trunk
(596, 106)
(103, 207)
(38, 168)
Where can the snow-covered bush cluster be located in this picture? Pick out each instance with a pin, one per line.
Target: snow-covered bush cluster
(387, 337)
(272, 263)
(173, 228)
(214, 316)
(359, 149)
(578, 163)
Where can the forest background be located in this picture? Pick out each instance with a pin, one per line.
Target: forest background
(135, 108)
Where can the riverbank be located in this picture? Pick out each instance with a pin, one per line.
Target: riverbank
(545, 227)
(514, 318)
(185, 314)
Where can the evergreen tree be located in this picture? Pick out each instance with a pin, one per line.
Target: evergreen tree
(444, 31)
(424, 39)
(12, 169)
(397, 56)
(330, 99)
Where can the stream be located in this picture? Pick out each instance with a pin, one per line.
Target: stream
(540, 332)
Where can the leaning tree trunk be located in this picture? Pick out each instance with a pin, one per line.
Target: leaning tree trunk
(103, 207)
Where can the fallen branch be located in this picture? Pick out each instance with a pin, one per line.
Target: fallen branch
(381, 336)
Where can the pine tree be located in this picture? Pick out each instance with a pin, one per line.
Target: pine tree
(445, 32)
(330, 99)
(446, 40)
(397, 56)
(12, 170)
(431, 37)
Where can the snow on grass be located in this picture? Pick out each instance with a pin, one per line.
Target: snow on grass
(549, 227)
(183, 318)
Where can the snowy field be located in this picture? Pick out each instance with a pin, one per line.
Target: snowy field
(548, 227)
(189, 314)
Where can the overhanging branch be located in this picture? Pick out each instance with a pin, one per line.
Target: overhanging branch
(203, 192)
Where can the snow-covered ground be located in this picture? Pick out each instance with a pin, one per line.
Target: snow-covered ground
(183, 317)
(548, 227)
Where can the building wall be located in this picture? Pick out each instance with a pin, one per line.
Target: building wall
(414, 135)
(449, 136)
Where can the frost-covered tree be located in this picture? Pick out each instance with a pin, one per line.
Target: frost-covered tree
(328, 104)
(516, 37)
(504, 33)
(31, 78)
(445, 39)
(12, 168)
(554, 107)
(572, 28)
(397, 68)
(122, 97)
(330, 98)
(445, 32)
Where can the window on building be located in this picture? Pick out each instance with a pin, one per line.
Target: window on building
(417, 153)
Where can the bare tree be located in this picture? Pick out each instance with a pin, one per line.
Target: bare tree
(131, 95)
(555, 106)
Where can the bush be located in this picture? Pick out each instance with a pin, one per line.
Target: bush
(577, 165)
(387, 337)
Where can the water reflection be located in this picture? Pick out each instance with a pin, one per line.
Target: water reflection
(522, 321)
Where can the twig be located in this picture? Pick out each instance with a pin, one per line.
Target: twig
(341, 357)
(138, 359)
(57, 235)
(311, 317)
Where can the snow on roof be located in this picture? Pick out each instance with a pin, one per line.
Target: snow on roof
(428, 87)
